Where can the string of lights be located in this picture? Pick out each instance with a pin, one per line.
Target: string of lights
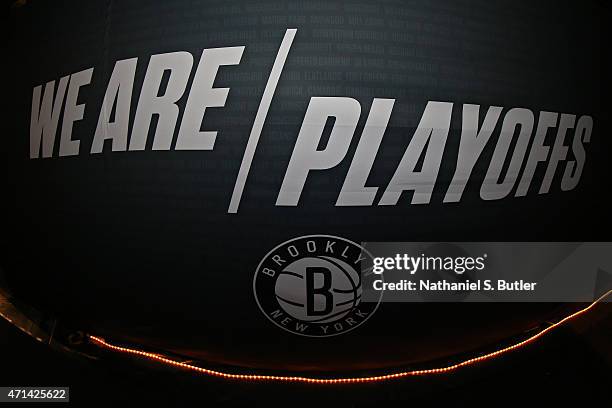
(348, 380)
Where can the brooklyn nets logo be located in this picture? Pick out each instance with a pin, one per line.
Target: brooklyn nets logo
(312, 285)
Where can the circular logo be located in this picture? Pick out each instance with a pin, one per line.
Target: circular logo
(313, 285)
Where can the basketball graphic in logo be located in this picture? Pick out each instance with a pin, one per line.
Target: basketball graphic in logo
(321, 289)
(312, 285)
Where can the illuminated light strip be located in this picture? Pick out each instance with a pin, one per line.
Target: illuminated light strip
(349, 380)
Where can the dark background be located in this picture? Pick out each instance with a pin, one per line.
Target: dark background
(139, 245)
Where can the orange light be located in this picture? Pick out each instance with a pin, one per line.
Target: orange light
(348, 380)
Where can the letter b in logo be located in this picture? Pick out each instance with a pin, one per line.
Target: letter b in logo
(322, 290)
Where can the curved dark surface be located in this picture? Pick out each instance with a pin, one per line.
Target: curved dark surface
(138, 246)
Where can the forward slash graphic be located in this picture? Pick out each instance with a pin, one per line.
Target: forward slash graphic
(260, 118)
